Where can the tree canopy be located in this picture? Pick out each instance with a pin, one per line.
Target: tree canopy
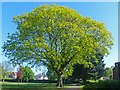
(51, 75)
(57, 37)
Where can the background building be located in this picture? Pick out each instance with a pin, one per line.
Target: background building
(116, 71)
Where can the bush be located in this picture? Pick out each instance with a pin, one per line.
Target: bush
(104, 85)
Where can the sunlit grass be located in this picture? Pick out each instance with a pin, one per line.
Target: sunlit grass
(6, 85)
(35, 86)
(92, 81)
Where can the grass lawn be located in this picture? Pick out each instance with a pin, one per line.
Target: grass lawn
(35, 86)
(92, 81)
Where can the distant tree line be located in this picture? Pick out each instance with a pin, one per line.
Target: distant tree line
(23, 73)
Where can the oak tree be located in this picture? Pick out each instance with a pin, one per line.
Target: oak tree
(57, 37)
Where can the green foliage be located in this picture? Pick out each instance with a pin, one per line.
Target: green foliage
(84, 73)
(27, 73)
(51, 75)
(57, 37)
(104, 85)
(80, 72)
(5, 73)
(108, 72)
(99, 70)
(5, 69)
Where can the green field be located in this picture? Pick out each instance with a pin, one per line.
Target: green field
(36, 86)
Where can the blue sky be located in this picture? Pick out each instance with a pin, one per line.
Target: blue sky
(60, 0)
(106, 12)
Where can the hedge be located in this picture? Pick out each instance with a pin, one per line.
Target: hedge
(103, 85)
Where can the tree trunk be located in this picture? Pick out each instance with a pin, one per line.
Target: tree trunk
(3, 80)
(27, 80)
(59, 81)
(20, 80)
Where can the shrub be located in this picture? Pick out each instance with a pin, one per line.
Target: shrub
(104, 85)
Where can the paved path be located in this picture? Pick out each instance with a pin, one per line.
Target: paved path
(73, 88)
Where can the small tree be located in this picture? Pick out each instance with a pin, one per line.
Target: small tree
(80, 72)
(99, 68)
(89, 73)
(108, 72)
(57, 37)
(6, 69)
(27, 73)
(4, 74)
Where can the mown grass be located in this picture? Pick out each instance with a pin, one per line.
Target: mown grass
(8, 85)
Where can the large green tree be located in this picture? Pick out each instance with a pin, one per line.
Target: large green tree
(57, 37)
